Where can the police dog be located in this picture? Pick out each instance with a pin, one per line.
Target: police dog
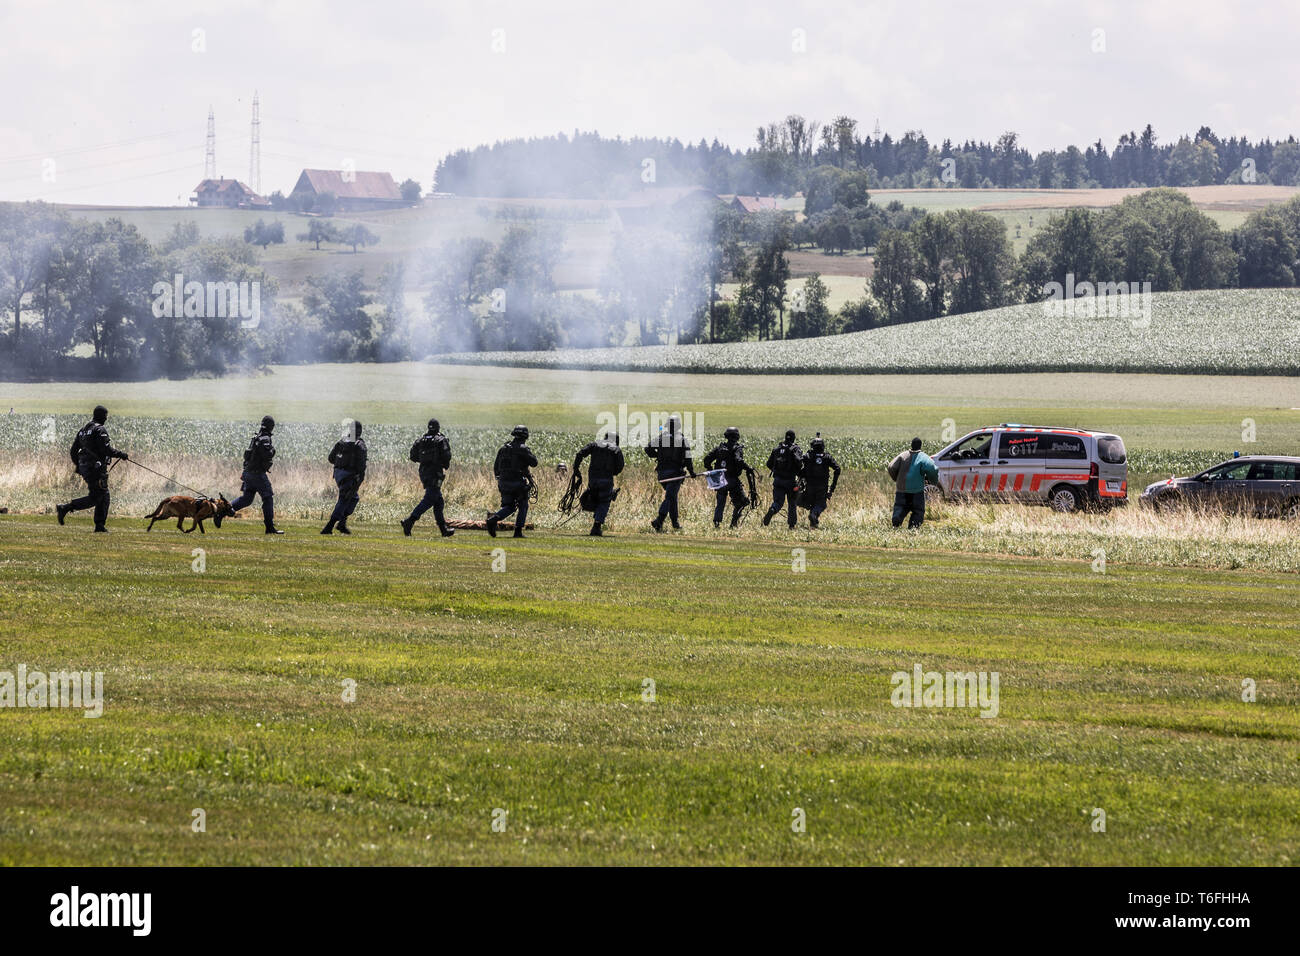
(197, 510)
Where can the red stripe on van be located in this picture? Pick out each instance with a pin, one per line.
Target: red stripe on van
(1039, 479)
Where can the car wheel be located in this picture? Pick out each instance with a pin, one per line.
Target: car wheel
(1064, 499)
(1291, 510)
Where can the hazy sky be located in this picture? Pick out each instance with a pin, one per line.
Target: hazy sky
(116, 94)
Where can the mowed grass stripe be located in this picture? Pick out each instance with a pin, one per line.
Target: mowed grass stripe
(1119, 690)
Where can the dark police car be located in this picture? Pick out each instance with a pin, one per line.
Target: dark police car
(1264, 485)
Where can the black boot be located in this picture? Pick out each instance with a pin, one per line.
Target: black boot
(767, 519)
(343, 527)
(101, 529)
(61, 511)
(658, 525)
(447, 532)
(519, 532)
(329, 527)
(407, 524)
(595, 531)
(272, 529)
(492, 526)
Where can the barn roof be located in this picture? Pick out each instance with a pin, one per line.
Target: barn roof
(363, 185)
(223, 186)
(756, 203)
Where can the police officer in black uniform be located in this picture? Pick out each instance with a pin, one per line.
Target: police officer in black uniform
(433, 453)
(786, 464)
(817, 470)
(672, 454)
(90, 452)
(730, 455)
(513, 480)
(348, 456)
(257, 462)
(606, 462)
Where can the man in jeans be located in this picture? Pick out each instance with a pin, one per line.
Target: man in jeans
(910, 471)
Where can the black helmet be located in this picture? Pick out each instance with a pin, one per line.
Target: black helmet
(434, 427)
(818, 443)
(732, 433)
(100, 414)
(519, 431)
(268, 423)
(789, 434)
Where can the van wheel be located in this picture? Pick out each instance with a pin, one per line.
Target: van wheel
(1291, 510)
(1064, 499)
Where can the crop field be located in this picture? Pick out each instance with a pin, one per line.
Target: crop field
(1233, 331)
(643, 698)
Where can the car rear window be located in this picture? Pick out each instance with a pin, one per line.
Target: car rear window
(1110, 448)
(1273, 471)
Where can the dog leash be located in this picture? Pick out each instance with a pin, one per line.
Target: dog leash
(179, 484)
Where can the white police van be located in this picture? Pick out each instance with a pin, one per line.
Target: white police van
(1066, 468)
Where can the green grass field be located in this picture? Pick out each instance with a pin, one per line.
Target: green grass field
(1157, 412)
(522, 690)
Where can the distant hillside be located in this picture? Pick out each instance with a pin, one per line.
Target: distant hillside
(1230, 331)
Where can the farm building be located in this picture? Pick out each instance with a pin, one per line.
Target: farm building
(651, 207)
(355, 190)
(228, 194)
(748, 204)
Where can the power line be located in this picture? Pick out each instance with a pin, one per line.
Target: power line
(114, 162)
(113, 182)
(75, 150)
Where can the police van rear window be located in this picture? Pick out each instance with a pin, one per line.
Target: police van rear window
(1110, 449)
(1042, 445)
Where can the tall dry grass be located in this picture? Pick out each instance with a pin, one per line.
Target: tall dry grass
(859, 513)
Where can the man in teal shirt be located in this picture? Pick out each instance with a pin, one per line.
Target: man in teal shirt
(910, 470)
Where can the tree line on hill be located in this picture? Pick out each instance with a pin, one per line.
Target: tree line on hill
(788, 153)
(82, 297)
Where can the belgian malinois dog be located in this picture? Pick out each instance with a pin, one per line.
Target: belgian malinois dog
(197, 510)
